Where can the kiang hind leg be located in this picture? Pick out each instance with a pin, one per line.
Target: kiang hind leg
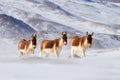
(20, 53)
(41, 53)
(26, 53)
(73, 52)
(83, 52)
(56, 53)
(33, 53)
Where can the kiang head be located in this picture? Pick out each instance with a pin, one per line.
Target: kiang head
(89, 38)
(64, 38)
(34, 41)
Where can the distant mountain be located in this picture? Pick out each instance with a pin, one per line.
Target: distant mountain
(49, 29)
(13, 28)
(48, 18)
(116, 1)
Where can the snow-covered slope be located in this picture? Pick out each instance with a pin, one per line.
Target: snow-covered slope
(12, 28)
(116, 1)
(51, 17)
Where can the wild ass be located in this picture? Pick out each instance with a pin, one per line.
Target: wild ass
(27, 46)
(53, 46)
(80, 44)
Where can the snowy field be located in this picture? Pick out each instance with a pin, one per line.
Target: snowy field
(97, 65)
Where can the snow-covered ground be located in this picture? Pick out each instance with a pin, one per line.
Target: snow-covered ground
(48, 18)
(99, 64)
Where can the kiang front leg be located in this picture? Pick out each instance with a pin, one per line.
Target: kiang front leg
(33, 53)
(72, 52)
(56, 53)
(41, 52)
(83, 53)
(26, 53)
(20, 53)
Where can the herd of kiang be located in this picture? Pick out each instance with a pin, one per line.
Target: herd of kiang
(55, 46)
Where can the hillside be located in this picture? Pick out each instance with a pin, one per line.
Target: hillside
(51, 17)
(12, 28)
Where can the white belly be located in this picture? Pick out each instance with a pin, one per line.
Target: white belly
(30, 50)
(21, 50)
(48, 50)
(75, 48)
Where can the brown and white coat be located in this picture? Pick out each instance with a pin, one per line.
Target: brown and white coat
(53, 46)
(27, 46)
(80, 44)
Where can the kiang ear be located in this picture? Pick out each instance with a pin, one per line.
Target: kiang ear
(64, 33)
(92, 33)
(32, 35)
(35, 35)
(86, 33)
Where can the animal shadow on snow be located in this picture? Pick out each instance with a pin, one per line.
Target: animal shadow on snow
(45, 60)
